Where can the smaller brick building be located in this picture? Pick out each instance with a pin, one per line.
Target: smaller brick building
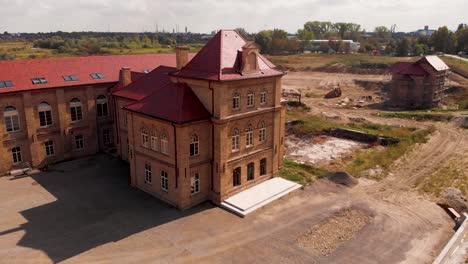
(419, 84)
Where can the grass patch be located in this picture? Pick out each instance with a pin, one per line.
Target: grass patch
(418, 116)
(372, 158)
(449, 175)
(301, 173)
(369, 158)
(316, 61)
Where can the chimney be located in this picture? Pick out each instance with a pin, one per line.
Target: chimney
(125, 77)
(182, 53)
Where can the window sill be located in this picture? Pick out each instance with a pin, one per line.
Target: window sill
(166, 191)
(195, 194)
(235, 151)
(194, 156)
(149, 183)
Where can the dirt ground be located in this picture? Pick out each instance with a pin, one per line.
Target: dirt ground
(85, 212)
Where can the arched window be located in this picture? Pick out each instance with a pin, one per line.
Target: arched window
(49, 148)
(262, 133)
(154, 141)
(75, 110)
(236, 177)
(235, 139)
(144, 138)
(45, 114)
(16, 153)
(250, 99)
(164, 144)
(11, 119)
(263, 167)
(249, 137)
(263, 98)
(250, 171)
(148, 173)
(195, 184)
(101, 106)
(235, 101)
(194, 145)
(164, 181)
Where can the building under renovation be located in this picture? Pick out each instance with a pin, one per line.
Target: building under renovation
(419, 84)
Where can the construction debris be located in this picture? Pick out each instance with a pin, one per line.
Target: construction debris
(342, 178)
(327, 236)
(336, 92)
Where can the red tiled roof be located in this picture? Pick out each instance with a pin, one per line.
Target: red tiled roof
(220, 60)
(53, 69)
(175, 102)
(146, 85)
(408, 68)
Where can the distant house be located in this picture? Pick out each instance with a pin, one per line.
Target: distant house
(419, 84)
(319, 44)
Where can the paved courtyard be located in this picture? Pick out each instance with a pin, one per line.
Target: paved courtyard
(83, 211)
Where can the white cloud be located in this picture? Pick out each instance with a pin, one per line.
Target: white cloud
(207, 15)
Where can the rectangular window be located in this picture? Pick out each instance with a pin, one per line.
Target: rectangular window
(235, 102)
(263, 167)
(195, 184)
(70, 78)
(263, 97)
(17, 157)
(49, 148)
(79, 142)
(148, 174)
(76, 113)
(106, 138)
(144, 140)
(97, 76)
(45, 118)
(12, 123)
(154, 143)
(6, 84)
(164, 181)
(236, 177)
(250, 100)
(249, 138)
(262, 135)
(40, 80)
(250, 171)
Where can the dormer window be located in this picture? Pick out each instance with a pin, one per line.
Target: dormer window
(40, 80)
(250, 58)
(97, 76)
(6, 84)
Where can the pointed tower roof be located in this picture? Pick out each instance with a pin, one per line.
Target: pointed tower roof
(220, 60)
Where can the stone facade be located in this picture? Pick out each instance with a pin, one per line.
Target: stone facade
(216, 161)
(31, 136)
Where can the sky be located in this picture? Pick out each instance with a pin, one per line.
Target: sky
(203, 16)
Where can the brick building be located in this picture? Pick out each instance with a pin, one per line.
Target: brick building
(192, 129)
(419, 84)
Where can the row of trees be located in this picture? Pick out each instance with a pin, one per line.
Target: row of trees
(382, 39)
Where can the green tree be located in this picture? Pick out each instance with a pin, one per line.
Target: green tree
(304, 34)
(382, 32)
(443, 40)
(403, 47)
(462, 38)
(263, 39)
(318, 28)
(279, 34)
(243, 33)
